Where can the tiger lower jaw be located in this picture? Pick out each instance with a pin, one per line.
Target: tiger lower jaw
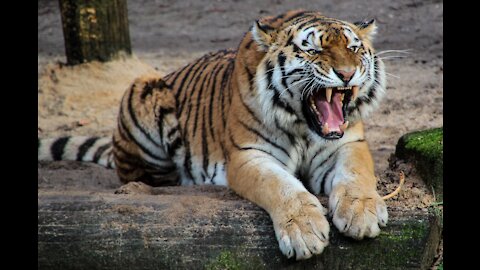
(325, 110)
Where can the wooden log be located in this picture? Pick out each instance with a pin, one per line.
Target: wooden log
(205, 228)
(94, 29)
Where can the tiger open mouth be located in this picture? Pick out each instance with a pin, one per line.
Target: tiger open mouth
(325, 110)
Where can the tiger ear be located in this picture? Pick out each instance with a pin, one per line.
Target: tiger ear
(367, 29)
(263, 35)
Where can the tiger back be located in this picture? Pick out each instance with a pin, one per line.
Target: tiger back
(275, 120)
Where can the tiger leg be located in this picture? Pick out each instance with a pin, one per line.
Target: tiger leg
(298, 217)
(147, 139)
(355, 206)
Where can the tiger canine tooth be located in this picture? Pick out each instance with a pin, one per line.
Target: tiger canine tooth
(328, 94)
(325, 129)
(342, 96)
(355, 93)
(344, 126)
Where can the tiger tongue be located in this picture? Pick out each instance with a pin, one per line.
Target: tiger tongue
(330, 112)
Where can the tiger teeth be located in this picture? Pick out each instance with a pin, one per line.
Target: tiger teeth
(344, 88)
(355, 93)
(344, 126)
(328, 94)
(314, 107)
(342, 96)
(325, 129)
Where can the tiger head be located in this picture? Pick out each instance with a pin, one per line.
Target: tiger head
(317, 70)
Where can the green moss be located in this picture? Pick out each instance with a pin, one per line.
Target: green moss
(427, 142)
(407, 232)
(228, 260)
(402, 240)
(425, 150)
(225, 260)
(396, 247)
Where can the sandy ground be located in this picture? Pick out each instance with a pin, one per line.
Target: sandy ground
(167, 34)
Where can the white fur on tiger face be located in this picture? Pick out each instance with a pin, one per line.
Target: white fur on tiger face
(298, 64)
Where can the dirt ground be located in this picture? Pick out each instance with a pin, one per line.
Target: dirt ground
(167, 34)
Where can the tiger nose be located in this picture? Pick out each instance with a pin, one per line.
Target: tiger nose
(344, 75)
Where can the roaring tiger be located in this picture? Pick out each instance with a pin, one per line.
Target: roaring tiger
(277, 120)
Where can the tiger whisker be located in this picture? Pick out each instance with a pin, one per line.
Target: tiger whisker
(288, 88)
(312, 87)
(286, 76)
(389, 74)
(392, 51)
(271, 83)
(295, 83)
(306, 87)
(391, 57)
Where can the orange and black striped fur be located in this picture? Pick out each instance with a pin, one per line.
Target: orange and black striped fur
(276, 120)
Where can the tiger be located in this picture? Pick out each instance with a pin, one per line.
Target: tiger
(278, 120)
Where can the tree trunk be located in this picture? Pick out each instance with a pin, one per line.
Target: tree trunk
(205, 228)
(94, 29)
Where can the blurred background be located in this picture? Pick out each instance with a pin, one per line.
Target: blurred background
(183, 27)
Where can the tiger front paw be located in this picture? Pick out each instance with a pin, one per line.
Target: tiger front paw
(302, 228)
(357, 212)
